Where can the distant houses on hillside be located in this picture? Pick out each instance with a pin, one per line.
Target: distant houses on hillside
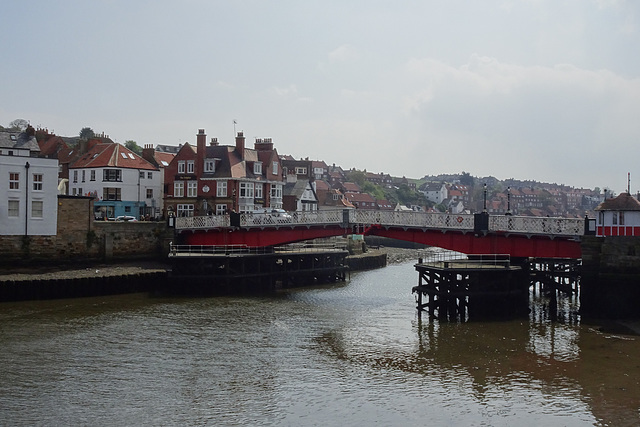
(208, 178)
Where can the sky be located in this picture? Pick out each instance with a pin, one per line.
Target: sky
(545, 90)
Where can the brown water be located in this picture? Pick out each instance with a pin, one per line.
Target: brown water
(351, 354)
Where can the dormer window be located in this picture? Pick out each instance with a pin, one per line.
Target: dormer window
(209, 165)
(257, 168)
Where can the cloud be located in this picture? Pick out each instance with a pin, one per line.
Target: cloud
(535, 120)
(342, 54)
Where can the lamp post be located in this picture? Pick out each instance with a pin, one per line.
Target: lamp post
(484, 206)
(26, 199)
(508, 201)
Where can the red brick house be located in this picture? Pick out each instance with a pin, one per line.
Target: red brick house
(214, 179)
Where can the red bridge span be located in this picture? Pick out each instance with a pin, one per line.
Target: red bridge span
(472, 234)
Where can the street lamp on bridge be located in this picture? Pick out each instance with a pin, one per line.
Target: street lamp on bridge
(508, 201)
(484, 206)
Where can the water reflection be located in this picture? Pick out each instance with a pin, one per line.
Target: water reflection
(347, 354)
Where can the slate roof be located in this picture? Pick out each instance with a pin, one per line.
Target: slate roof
(18, 140)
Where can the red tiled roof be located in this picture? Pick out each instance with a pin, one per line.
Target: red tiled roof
(624, 202)
(111, 155)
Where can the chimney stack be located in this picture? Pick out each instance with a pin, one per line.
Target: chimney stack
(240, 144)
(263, 144)
(147, 153)
(214, 142)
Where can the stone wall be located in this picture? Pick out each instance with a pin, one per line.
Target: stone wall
(610, 278)
(80, 238)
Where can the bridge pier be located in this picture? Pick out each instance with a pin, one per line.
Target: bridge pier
(470, 289)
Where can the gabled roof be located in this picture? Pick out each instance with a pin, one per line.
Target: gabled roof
(19, 140)
(624, 202)
(111, 155)
(163, 158)
(351, 187)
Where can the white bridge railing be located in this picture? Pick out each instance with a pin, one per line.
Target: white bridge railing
(441, 221)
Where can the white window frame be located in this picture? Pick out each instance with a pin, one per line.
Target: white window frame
(185, 208)
(178, 189)
(13, 209)
(192, 188)
(191, 166)
(209, 166)
(246, 190)
(14, 180)
(257, 168)
(258, 191)
(221, 189)
(181, 166)
(221, 209)
(274, 168)
(92, 175)
(37, 181)
(37, 209)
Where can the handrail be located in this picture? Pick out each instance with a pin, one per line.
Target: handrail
(554, 226)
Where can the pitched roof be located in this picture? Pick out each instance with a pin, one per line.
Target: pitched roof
(112, 155)
(624, 202)
(21, 140)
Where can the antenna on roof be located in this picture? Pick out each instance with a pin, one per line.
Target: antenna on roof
(235, 122)
(628, 182)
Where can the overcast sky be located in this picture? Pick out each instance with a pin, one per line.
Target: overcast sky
(527, 89)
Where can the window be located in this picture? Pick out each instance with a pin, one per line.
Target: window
(185, 210)
(37, 182)
(111, 193)
(127, 209)
(276, 191)
(192, 189)
(246, 190)
(36, 209)
(209, 166)
(14, 208)
(301, 171)
(141, 174)
(275, 168)
(257, 168)
(111, 175)
(190, 166)
(75, 176)
(221, 189)
(149, 193)
(93, 175)
(178, 189)
(14, 181)
(84, 175)
(181, 166)
(221, 209)
(149, 175)
(258, 191)
(621, 218)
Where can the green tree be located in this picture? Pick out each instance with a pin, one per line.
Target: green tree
(356, 176)
(87, 133)
(466, 179)
(133, 146)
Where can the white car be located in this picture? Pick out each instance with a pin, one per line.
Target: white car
(126, 218)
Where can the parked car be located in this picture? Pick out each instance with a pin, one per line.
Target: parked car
(126, 218)
(281, 215)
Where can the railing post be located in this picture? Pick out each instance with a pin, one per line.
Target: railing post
(480, 222)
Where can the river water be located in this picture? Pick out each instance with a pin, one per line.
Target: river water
(351, 354)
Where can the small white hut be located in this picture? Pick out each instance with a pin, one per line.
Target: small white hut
(618, 216)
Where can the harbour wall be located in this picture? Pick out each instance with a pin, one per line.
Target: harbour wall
(81, 239)
(610, 277)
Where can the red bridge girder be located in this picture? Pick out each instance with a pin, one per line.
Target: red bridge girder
(516, 245)
(256, 237)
